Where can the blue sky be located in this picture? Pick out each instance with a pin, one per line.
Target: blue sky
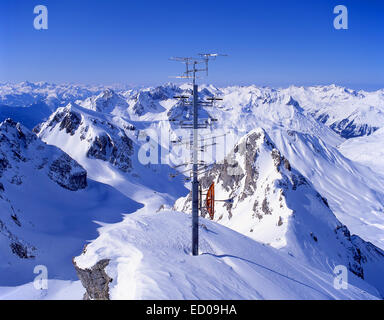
(274, 43)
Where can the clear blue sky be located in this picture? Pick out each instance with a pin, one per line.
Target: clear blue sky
(269, 42)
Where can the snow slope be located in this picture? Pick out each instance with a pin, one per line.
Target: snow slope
(48, 207)
(108, 147)
(104, 130)
(367, 150)
(149, 258)
(274, 204)
(355, 193)
(57, 290)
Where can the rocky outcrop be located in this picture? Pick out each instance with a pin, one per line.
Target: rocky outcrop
(348, 129)
(20, 147)
(67, 173)
(8, 223)
(275, 204)
(68, 119)
(95, 280)
(116, 152)
(98, 138)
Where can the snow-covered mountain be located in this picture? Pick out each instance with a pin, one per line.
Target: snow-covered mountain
(107, 101)
(47, 206)
(348, 112)
(87, 135)
(32, 103)
(274, 204)
(27, 93)
(300, 191)
(108, 147)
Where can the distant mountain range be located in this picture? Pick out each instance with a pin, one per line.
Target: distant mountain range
(302, 166)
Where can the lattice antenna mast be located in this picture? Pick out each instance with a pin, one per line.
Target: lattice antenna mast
(191, 70)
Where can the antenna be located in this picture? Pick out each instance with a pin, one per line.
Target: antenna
(192, 67)
(207, 56)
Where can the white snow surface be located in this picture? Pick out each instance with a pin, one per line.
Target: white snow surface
(56, 290)
(367, 150)
(150, 259)
(307, 125)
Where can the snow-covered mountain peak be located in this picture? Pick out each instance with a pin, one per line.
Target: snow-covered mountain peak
(83, 133)
(14, 131)
(47, 205)
(107, 101)
(22, 152)
(273, 203)
(284, 174)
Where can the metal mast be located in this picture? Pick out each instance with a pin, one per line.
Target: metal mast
(191, 74)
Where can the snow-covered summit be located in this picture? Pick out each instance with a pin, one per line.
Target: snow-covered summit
(84, 133)
(47, 206)
(348, 112)
(27, 93)
(21, 151)
(107, 101)
(274, 204)
(291, 187)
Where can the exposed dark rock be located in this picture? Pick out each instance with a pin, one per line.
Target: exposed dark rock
(293, 102)
(347, 129)
(70, 122)
(68, 173)
(313, 237)
(325, 201)
(95, 280)
(298, 180)
(21, 250)
(16, 180)
(16, 219)
(265, 207)
(287, 165)
(355, 265)
(116, 152)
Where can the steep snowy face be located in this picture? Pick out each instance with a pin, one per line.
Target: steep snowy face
(248, 177)
(109, 148)
(12, 241)
(354, 192)
(21, 152)
(245, 108)
(23, 157)
(274, 204)
(88, 134)
(47, 206)
(152, 100)
(348, 112)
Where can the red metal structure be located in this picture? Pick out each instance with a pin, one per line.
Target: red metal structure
(210, 201)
